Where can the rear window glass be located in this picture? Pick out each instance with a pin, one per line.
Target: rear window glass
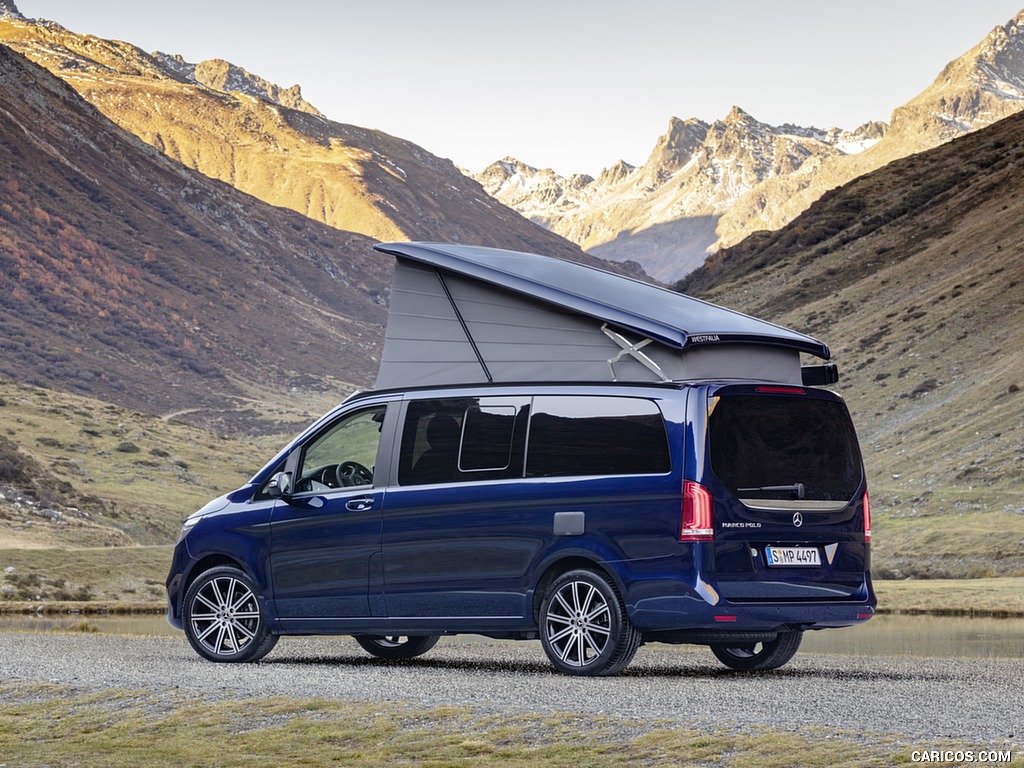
(596, 436)
(784, 448)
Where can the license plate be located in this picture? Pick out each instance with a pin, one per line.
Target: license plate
(795, 556)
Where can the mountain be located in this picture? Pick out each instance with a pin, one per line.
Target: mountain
(705, 186)
(664, 214)
(977, 89)
(224, 76)
(269, 142)
(914, 275)
(130, 278)
(127, 277)
(973, 91)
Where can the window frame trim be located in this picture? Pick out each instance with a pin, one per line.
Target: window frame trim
(655, 403)
(295, 456)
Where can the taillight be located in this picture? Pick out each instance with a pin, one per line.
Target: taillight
(781, 390)
(867, 518)
(698, 520)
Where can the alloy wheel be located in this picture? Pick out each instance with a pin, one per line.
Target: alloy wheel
(578, 623)
(225, 616)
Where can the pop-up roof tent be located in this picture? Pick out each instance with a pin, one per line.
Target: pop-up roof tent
(466, 314)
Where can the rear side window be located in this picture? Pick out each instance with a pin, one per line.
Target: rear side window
(456, 440)
(487, 432)
(596, 436)
(784, 448)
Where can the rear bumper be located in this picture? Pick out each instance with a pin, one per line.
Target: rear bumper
(766, 617)
(700, 607)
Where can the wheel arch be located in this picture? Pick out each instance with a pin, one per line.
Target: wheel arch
(569, 562)
(201, 566)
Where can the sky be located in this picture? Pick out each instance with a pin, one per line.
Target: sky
(573, 85)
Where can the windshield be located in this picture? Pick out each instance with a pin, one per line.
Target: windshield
(784, 448)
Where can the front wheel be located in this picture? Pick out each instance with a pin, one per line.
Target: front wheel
(396, 647)
(223, 620)
(758, 656)
(584, 627)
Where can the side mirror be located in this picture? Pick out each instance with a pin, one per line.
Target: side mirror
(280, 486)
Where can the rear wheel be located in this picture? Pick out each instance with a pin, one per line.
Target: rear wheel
(584, 627)
(758, 656)
(223, 618)
(395, 647)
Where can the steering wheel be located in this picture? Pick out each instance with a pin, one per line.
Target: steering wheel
(350, 473)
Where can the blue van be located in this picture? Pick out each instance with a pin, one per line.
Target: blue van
(595, 516)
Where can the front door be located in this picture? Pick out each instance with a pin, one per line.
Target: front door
(326, 534)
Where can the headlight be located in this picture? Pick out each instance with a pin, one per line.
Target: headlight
(187, 526)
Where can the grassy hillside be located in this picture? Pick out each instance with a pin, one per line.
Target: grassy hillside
(92, 579)
(92, 495)
(90, 474)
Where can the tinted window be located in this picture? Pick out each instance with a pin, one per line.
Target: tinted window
(596, 436)
(797, 445)
(487, 438)
(462, 439)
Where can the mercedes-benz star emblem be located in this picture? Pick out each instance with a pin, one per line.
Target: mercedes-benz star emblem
(798, 519)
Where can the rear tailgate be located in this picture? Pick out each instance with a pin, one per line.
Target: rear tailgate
(784, 468)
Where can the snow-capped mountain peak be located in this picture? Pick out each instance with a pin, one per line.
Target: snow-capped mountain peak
(695, 173)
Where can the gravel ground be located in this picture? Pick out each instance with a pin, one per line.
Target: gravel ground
(969, 702)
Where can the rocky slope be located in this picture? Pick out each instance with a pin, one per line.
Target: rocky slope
(130, 278)
(665, 213)
(269, 142)
(706, 186)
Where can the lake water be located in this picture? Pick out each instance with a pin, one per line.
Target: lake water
(886, 635)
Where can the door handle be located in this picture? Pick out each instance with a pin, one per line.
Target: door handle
(359, 505)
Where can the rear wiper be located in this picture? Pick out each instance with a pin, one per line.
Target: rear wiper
(797, 488)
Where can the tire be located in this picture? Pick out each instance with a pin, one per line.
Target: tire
(397, 647)
(759, 656)
(584, 627)
(223, 617)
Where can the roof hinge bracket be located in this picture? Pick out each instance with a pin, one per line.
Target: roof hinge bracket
(633, 350)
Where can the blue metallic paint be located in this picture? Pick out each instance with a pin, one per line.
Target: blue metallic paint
(471, 557)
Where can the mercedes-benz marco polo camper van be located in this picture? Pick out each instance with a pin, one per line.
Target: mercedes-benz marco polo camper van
(552, 453)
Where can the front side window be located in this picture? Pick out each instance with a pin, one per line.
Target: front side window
(596, 436)
(344, 455)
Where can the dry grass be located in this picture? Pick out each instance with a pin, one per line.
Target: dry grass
(101, 580)
(53, 726)
(153, 473)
